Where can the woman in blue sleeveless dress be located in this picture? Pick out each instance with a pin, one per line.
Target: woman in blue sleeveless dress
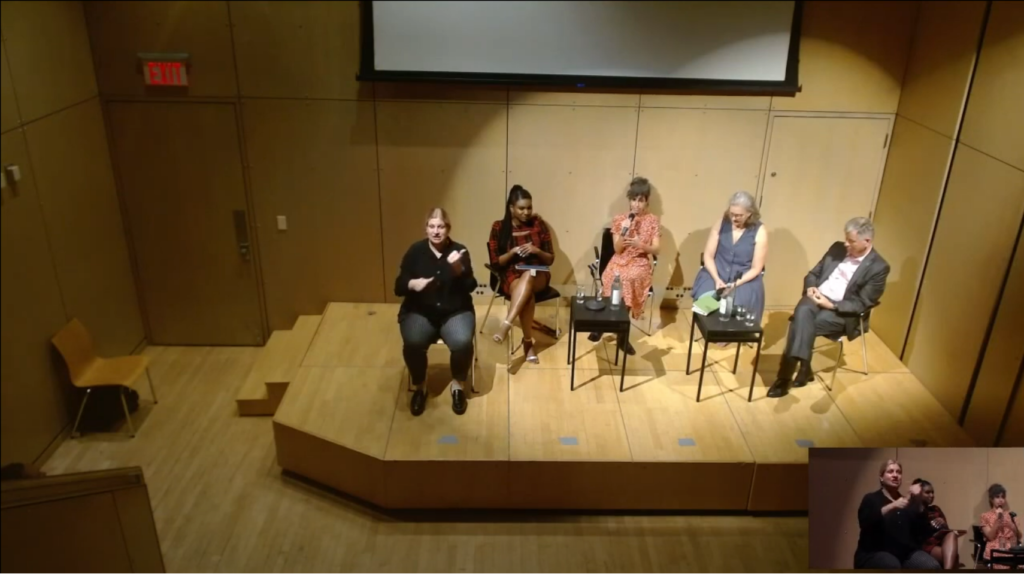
(737, 247)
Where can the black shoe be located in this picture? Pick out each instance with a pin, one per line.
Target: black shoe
(803, 376)
(459, 403)
(779, 388)
(627, 348)
(595, 337)
(419, 401)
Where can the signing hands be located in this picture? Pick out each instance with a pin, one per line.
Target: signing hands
(455, 260)
(526, 249)
(419, 284)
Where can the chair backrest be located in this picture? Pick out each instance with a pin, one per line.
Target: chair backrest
(75, 345)
(979, 543)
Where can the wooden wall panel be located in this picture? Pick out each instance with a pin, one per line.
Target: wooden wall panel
(83, 219)
(668, 100)
(1013, 434)
(941, 63)
(555, 97)
(838, 480)
(447, 155)
(119, 31)
(315, 162)
(1006, 466)
(32, 385)
(1002, 359)
(9, 114)
(48, 48)
(696, 159)
(820, 172)
(994, 122)
(577, 162)
(973, 241)
(852, 56)
(298, 50)
(908, 203)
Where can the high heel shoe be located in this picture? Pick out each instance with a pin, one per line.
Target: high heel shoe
(499, 337)
(531, 357)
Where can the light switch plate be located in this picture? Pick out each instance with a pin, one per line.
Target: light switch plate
(282, 223)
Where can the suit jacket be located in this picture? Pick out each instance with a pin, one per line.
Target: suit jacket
(864, 291)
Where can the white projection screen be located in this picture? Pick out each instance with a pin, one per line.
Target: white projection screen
(710, 44)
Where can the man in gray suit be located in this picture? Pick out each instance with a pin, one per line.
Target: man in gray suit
(848, 281)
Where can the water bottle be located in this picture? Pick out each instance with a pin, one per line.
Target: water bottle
(616, 293)
(723, 308)
(730, 303)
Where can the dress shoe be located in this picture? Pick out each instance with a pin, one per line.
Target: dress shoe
(804, 375)
(595, 337)
(459, 403)
(419, 401)
(628, 349)
(779, 388)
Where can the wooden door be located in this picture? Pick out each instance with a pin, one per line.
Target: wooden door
(180, 168)
(821, 171)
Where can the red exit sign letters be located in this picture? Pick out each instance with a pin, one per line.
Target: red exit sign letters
(164, 69)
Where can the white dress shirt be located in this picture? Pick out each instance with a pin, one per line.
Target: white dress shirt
(834, 288)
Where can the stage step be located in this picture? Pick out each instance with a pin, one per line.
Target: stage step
(276, 367)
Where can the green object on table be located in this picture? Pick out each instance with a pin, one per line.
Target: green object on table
(706, 304)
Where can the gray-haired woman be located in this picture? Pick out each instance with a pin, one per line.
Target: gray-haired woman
(734, 255)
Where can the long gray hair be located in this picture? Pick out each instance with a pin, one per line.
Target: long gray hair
(746, 201)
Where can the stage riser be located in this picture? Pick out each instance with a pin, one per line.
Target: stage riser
(577, 485)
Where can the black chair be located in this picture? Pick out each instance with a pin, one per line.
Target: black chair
(839, 339)
(979, 547)
(605, 256)
(547, 294)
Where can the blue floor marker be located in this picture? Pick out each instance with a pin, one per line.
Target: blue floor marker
(804, 443)
(448, 439)
(687, 442)
(568, 441)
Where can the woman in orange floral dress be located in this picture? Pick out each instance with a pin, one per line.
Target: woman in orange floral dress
(633, 251)
(1000, 529)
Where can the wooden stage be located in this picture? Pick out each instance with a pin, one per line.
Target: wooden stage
(338, 386)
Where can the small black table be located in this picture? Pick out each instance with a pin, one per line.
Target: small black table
(1012, 557)
(729, 331)
(583, 320)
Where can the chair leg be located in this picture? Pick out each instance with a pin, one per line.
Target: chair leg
(127, 415)
(650, 316)
(839, 359)
(81, 409)
(864, 344)
(152, 391)
(558, 325)
(472, 368)
(488, 314)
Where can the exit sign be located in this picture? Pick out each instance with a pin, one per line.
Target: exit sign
(164, 69)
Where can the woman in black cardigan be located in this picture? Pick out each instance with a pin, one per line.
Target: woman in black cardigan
(436, 279)
(891, 525)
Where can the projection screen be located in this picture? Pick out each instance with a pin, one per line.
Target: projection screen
(690, 44)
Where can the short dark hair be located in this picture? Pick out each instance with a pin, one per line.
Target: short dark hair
(924, 483)
(639, 187)
(996, 490)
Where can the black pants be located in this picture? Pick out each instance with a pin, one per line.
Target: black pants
(420, 332)
(917, 560)
(810, 321)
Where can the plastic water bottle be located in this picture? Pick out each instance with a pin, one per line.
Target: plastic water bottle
(723, 308)
(730, 303)
(616, 293)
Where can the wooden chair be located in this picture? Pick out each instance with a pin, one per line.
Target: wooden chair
(89, 371)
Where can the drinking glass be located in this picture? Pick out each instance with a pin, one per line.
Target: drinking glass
(581, 292)
(748, 318)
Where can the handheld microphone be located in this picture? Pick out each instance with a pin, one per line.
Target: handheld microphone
(625, 229)
(1013, 514)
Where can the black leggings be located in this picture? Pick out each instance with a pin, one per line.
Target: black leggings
(419, 333)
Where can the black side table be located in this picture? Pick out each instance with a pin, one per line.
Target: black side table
(583, 320)
(732, 330)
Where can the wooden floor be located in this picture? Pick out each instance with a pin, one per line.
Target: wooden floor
(345, 420)
(221, 503)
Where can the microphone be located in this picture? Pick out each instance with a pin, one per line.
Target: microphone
(1013, 515)
(625, 229)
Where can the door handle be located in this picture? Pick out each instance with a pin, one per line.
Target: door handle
(242, 234)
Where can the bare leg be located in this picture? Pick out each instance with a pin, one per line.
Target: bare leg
(526, 321)
(520, 290)
(950, 556)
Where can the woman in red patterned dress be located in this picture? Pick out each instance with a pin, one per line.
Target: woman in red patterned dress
(520, 238)
(1001, 530)
(941, 542)
(636, 236)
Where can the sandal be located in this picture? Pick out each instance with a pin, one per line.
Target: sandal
(531, 357)
(499, 337)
